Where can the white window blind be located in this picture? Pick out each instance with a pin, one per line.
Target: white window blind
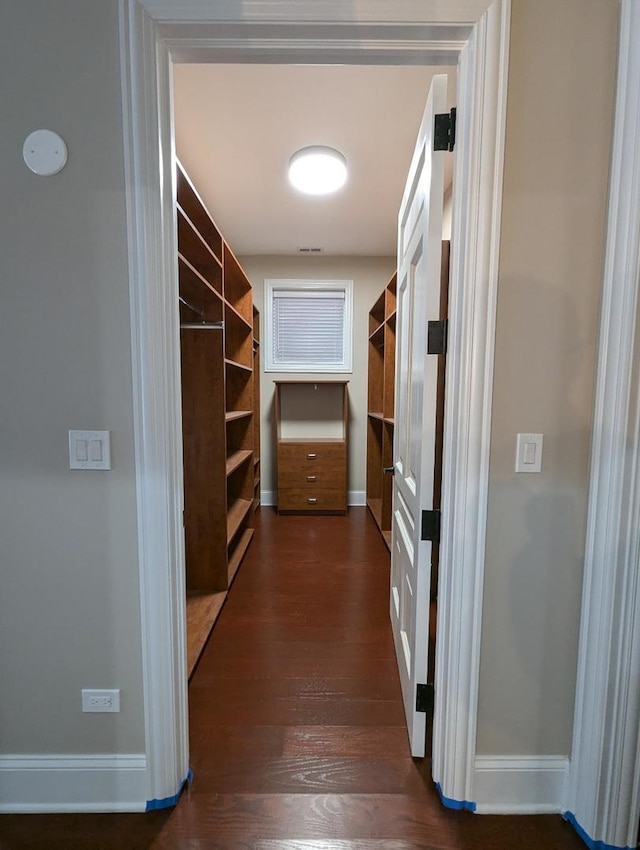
(310, 326)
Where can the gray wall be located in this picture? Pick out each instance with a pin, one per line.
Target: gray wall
(370, 276)
(559, 113)
(68, 558)
(69, 604)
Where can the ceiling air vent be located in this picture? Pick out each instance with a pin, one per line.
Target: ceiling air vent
(310, 250)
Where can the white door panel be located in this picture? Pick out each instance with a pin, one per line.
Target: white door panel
(418, 301)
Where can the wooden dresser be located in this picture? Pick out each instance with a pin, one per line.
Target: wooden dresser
(311, 446)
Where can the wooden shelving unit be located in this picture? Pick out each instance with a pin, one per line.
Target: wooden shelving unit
(219, 413)
(311, 446)
(256, 408)
(380, 407)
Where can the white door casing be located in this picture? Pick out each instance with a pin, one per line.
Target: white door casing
(155, 32)
(418, 301)
(603, 798)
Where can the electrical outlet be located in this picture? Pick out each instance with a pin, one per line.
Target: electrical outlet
(100, 701)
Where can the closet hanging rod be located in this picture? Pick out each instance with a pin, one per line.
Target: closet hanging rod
(193, 309)
(202, 326)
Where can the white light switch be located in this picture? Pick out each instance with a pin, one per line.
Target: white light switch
(95, 450)
(529, 453)
(89, 450)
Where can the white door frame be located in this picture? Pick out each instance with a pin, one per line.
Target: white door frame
(604, 780)
(152, 35)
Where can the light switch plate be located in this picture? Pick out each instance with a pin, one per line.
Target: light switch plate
(89, 449)
(529, 453)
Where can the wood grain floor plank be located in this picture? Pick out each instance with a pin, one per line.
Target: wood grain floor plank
(314, 816)
(294, 712)
(308, 687)
(312, 774)
(346, 844)
(211, 667)
(345, 740)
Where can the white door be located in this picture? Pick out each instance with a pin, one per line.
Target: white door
(418, 301)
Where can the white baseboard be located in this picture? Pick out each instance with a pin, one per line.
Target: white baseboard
(355, 498)
(80, 783)
(520, 784)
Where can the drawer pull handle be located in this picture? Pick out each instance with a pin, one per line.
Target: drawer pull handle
(311, 477)
(312, 455)
(312, 500)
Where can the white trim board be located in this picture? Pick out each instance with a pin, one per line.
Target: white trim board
(604, 785)
(520, 785)
(476, 216)
(80, 783)
(429, 11)
(147, 48)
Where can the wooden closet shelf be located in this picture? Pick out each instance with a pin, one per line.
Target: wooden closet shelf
(377, 337)
(238, 553)
(236, 513)
(220, 405)
(235, 365)
(210, 287)
(232, 415)
(202, 613)
(375, 414)
(201, 242)
(235, 460)
(237, 315)
(389, 420)
(375, 506)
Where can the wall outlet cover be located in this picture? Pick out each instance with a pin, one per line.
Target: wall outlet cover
(100, 701)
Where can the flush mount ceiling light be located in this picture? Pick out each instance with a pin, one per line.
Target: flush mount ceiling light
(317, 170)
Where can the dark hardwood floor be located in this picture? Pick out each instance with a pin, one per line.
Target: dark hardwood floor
(297, 728)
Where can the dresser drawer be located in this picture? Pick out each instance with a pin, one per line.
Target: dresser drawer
(304, 499)
(319, 475)
(307, 455)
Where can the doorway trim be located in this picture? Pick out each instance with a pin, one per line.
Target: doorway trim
(153, 34)
(603, 799)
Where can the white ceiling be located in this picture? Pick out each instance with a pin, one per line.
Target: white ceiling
(237, 125)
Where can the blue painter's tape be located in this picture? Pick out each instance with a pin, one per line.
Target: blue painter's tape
(168, 802)
(591, 844)
(458, 805)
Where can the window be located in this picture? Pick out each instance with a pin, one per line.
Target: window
(309, 325)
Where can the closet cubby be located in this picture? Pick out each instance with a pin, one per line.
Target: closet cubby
(311, 419)
(219, 413)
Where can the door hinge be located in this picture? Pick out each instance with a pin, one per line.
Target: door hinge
(437, 337)
(431, 526)
(444, 131)
(390, 470)
(424, 697)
